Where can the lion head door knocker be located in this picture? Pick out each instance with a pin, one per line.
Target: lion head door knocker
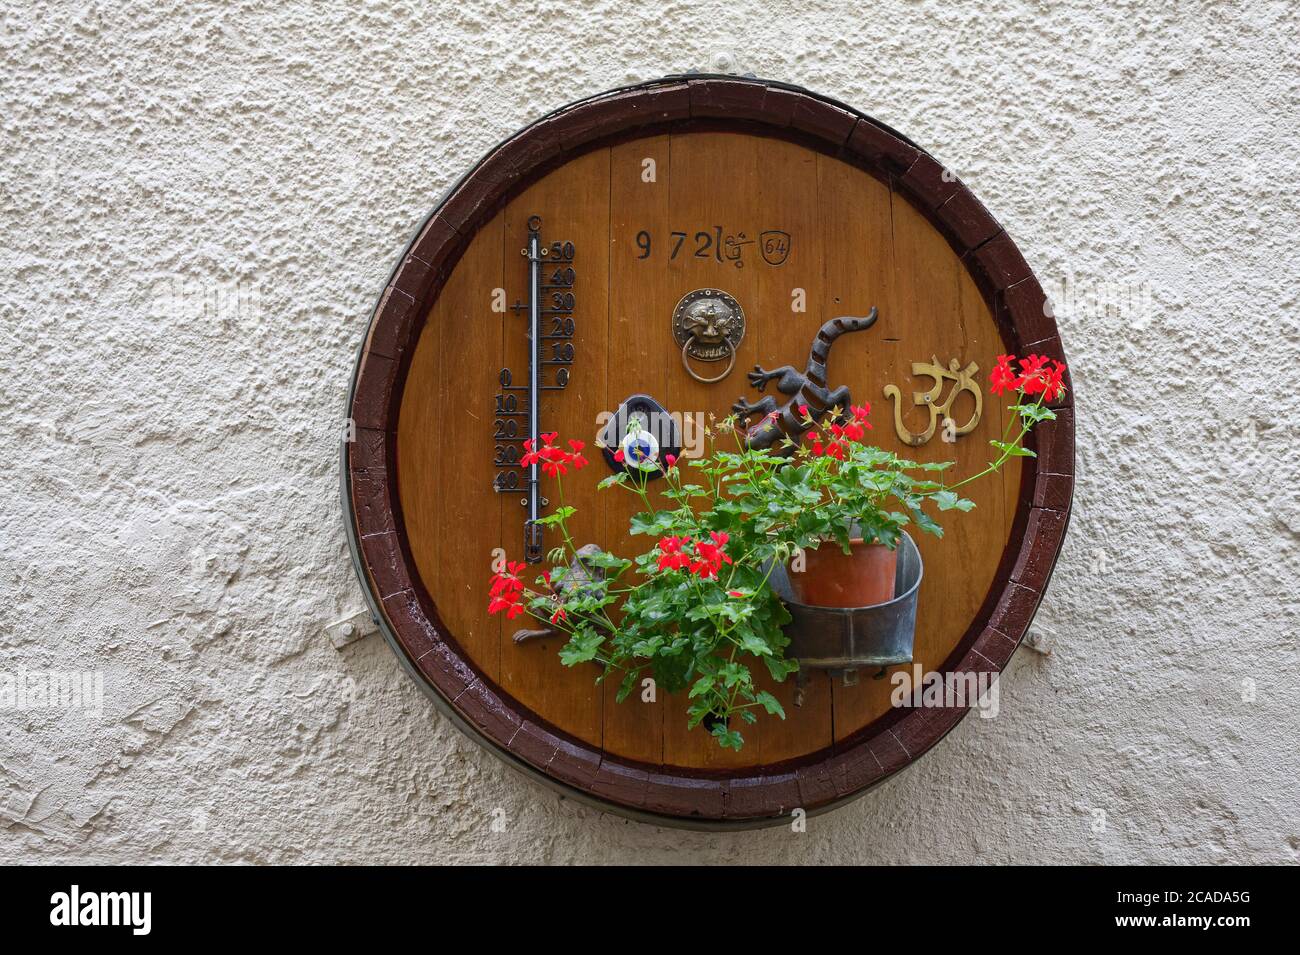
(940, 411)
(709, 325)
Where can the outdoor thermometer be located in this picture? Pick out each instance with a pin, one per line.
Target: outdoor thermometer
(549, 312)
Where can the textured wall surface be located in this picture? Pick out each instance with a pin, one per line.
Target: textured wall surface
(200, 201)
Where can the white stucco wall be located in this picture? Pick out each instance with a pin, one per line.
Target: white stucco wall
(200, 202)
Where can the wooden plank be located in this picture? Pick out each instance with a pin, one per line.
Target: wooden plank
(858, 274)
(419, 434)
(445, 429)
(786, 200)
(712, 183)
(639, 202)
(574, 205)
(934, 315)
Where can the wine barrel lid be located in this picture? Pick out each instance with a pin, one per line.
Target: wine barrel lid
(668, 210)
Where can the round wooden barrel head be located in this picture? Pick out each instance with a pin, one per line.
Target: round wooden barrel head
(652, 202)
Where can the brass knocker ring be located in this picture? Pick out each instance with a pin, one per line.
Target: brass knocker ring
(731, 363)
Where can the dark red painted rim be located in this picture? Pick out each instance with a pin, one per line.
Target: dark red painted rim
(407, 615)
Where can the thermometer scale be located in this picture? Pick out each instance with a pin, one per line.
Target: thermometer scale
(551, 325)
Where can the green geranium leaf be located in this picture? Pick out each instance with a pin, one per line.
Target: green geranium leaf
(770, 703)
(629, 683)
(656, 525)
(607, 560)
(949, 500)
(581, 648)
(728, 738)
(1014, 450)
(1032, 414)
(703, 685)
(926, 523)
(780, 668)
(559, 514)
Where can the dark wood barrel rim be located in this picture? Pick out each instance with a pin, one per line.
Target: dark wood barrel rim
(406, 614)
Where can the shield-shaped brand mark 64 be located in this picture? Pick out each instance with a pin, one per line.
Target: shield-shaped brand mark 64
(775, 246)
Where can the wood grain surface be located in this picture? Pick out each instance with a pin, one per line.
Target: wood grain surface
(853, 245)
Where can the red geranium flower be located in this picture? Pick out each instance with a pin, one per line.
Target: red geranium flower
(672, 558)
(1032, 365)
(1053, 386)
(1033, 378)
(833, 449)
(555, 461)
(851, 431)
(710, 556)
(1003, 377)
(507, 591)
(702, 558)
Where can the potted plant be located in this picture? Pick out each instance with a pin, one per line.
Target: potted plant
(695, 607)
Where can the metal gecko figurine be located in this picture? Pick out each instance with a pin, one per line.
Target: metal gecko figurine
(806, 388)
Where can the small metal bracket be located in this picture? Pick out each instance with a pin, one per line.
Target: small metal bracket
(721, 62)
(1040, 639)
(351, 629)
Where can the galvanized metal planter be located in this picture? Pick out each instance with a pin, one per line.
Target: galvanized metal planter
(845, 640)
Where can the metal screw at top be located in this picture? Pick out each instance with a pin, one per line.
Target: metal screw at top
(347, 630)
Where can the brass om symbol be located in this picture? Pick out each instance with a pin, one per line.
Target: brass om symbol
(963, 380)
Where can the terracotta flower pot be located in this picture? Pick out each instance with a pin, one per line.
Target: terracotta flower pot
(831, 578)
